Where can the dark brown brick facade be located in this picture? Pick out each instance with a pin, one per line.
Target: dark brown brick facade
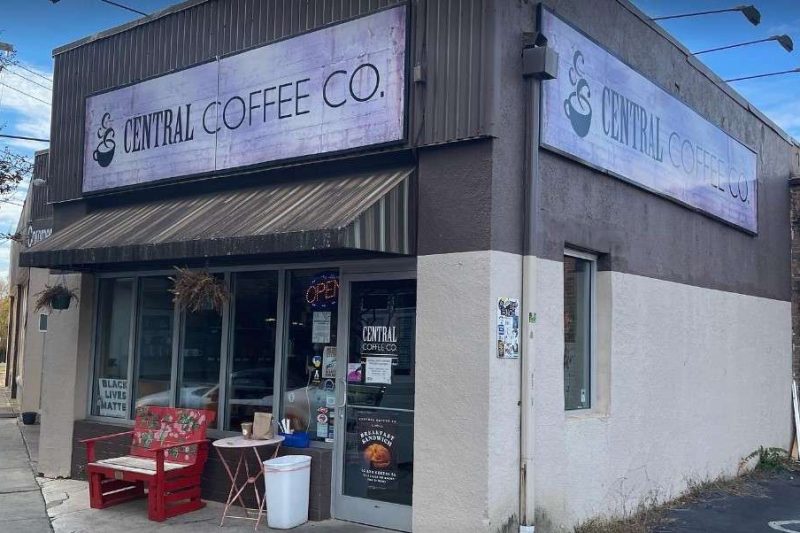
(215, 480)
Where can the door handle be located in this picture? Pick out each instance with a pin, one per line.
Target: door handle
(340, 407)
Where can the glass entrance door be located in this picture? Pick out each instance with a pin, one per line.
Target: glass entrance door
(375, 452)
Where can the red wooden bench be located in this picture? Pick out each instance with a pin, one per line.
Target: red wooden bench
(167, 455)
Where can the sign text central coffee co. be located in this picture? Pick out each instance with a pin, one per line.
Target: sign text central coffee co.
(604, 113)
(334, 89)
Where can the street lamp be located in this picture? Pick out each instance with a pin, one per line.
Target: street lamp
(764, 75)
(6, 47)
(750, 12)
(784, 40)
(118, 5)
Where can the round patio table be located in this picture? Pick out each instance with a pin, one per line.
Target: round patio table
(240, 444)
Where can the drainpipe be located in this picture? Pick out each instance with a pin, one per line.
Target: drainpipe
(539, 63)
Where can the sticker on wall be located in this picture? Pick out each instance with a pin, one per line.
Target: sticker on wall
(354, 372)
(329, 362)
(113, 397)
(378, 370)
(508, 328)
(321, 330)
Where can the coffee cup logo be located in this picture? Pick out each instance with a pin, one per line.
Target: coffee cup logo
(104, 153)
(577, 106)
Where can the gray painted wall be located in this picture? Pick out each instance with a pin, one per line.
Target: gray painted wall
(650, 236)
(471, 194)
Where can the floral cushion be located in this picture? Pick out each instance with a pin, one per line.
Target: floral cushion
(162, 426)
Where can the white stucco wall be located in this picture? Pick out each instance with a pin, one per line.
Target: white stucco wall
(33, 346)
(698, 378)
(466, 420)
(64, 381)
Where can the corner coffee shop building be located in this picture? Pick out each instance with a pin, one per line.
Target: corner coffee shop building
(545, 252)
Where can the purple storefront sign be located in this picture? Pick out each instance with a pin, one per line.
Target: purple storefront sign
(603, 113)
(334, 89)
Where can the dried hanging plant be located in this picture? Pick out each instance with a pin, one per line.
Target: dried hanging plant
(196, 290)
(55, 297)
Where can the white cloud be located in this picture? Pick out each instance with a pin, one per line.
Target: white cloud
(25, 114)
(21, 114)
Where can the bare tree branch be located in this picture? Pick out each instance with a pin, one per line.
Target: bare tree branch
(14, 167)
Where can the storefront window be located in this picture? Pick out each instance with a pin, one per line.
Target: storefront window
(310, 364)
(115, 304)
(201, 348)
(578, 273)
(252, 367)
(264, 324)
(154, 342)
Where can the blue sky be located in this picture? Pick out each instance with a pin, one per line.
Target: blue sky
(36, 27)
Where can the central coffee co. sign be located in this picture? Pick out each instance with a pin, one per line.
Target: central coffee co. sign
(602, 112)
(337, 88)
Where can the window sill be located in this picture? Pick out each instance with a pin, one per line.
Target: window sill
(585, 414)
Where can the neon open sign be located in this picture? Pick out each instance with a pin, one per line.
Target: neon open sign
(323, 292)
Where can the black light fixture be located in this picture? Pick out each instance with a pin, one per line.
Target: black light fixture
(749, 11)
(122, 6)
(764, 75)
(784, 40)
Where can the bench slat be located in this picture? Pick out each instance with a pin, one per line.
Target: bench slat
(140, 465)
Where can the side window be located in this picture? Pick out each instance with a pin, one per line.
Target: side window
(578, 326)
(111, 381)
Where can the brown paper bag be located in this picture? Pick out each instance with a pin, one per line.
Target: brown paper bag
(262, 426)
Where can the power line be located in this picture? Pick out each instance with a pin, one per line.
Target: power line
(26, 94)
(24, 138)
(29, 80)
(20, 65)
(125, 7)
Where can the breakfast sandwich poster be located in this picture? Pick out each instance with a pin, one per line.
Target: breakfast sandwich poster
(377, 433)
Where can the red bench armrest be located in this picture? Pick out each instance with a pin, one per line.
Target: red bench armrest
(90, 443)
(106, 437)
(160, 456)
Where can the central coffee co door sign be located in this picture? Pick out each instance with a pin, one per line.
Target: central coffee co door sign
(601, 112)
(333, 89)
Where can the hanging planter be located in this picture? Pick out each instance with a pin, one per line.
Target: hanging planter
(199, 290)
(56, 297)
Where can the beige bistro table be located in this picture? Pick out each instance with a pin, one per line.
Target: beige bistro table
(240, 444)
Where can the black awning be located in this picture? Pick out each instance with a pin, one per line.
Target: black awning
(355, 212)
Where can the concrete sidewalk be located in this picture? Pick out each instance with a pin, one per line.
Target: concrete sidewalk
(22, 507)
(8, 407)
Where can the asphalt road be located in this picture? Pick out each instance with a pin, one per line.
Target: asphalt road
(775, 506)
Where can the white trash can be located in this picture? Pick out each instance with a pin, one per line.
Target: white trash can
(287, 482)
